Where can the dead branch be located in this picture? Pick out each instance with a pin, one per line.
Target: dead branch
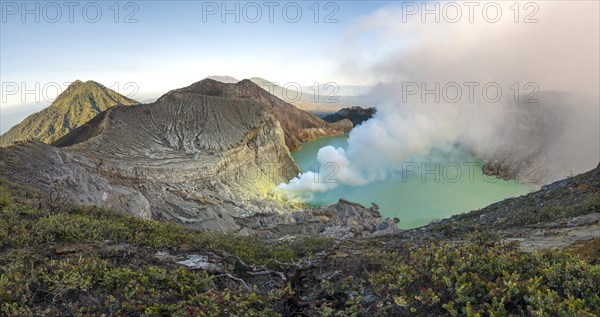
(237, 279)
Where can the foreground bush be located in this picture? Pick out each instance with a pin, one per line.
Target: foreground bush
(479, 280)
(94, 262)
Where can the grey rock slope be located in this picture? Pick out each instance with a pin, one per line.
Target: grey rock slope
(298, 125)
(207, 156)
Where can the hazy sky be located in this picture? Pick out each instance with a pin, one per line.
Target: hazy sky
(162, 45)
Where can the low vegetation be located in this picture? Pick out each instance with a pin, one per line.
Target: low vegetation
(485, 280)
(94, 262)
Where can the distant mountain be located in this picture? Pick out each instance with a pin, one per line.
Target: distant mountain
(224, 79)
(344, 90)
(357, 115)
(78, 104)
(324, 99)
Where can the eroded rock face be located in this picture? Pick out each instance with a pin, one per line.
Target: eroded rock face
(298, 125)
(206, 156)
(49, 170)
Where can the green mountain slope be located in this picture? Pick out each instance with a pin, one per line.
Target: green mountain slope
(78, 104)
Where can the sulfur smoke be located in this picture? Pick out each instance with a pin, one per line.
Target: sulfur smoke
(430, 93)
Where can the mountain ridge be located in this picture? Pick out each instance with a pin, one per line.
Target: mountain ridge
(299, 125)
(207, 156)
(76, 105)
(304, 98)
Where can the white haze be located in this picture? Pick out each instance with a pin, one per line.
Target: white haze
(560, 54)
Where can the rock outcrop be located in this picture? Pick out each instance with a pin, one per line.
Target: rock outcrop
(357, 115)
(342, 220)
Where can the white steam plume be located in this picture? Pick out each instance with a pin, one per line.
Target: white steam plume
(559, 56)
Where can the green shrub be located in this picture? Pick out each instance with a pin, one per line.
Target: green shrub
(496, 281)
(70, 286)
(370, 277)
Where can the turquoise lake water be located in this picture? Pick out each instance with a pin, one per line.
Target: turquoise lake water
(416, 198)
